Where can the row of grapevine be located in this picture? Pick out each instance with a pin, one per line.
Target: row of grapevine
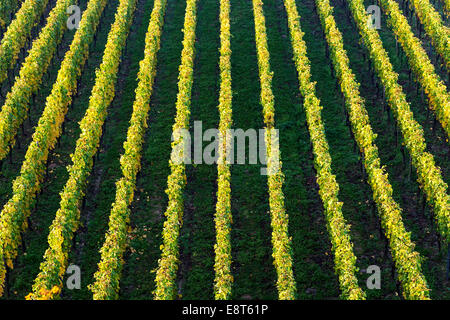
(107, 277)
(282, 252)
(18, 33)
(407, 260)
(15, 108)
(420, 64)
(67, 217)
(338, 229)
(434, 27)
(168, 263)
(223, 218)
(7, 8)
(429, 175)
(13, 217)
(446, 5)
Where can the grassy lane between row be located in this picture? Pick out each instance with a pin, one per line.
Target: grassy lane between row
(252, 267)
(197, 236)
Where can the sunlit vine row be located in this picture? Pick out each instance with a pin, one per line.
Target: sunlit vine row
(14, 216)
(407, 261)
(67, 217)
(18, 33)
(429, 175)
(223, 278)
(107, 277)
(446, 5)
(168, 263)
(15, 108)
(7, 7)
(282, 251)
(420, 64)
(434, 27)
(338, 229)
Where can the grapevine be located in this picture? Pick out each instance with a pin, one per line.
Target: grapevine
(434, 27)
(16, 106)
(168, 263)
(13, 217)
(338, 229)
(420, 64)
(407, 260)
(224, 279)
(106, 285)
(282, 252)
(67, 217)
(429, 175)
(18, 33)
